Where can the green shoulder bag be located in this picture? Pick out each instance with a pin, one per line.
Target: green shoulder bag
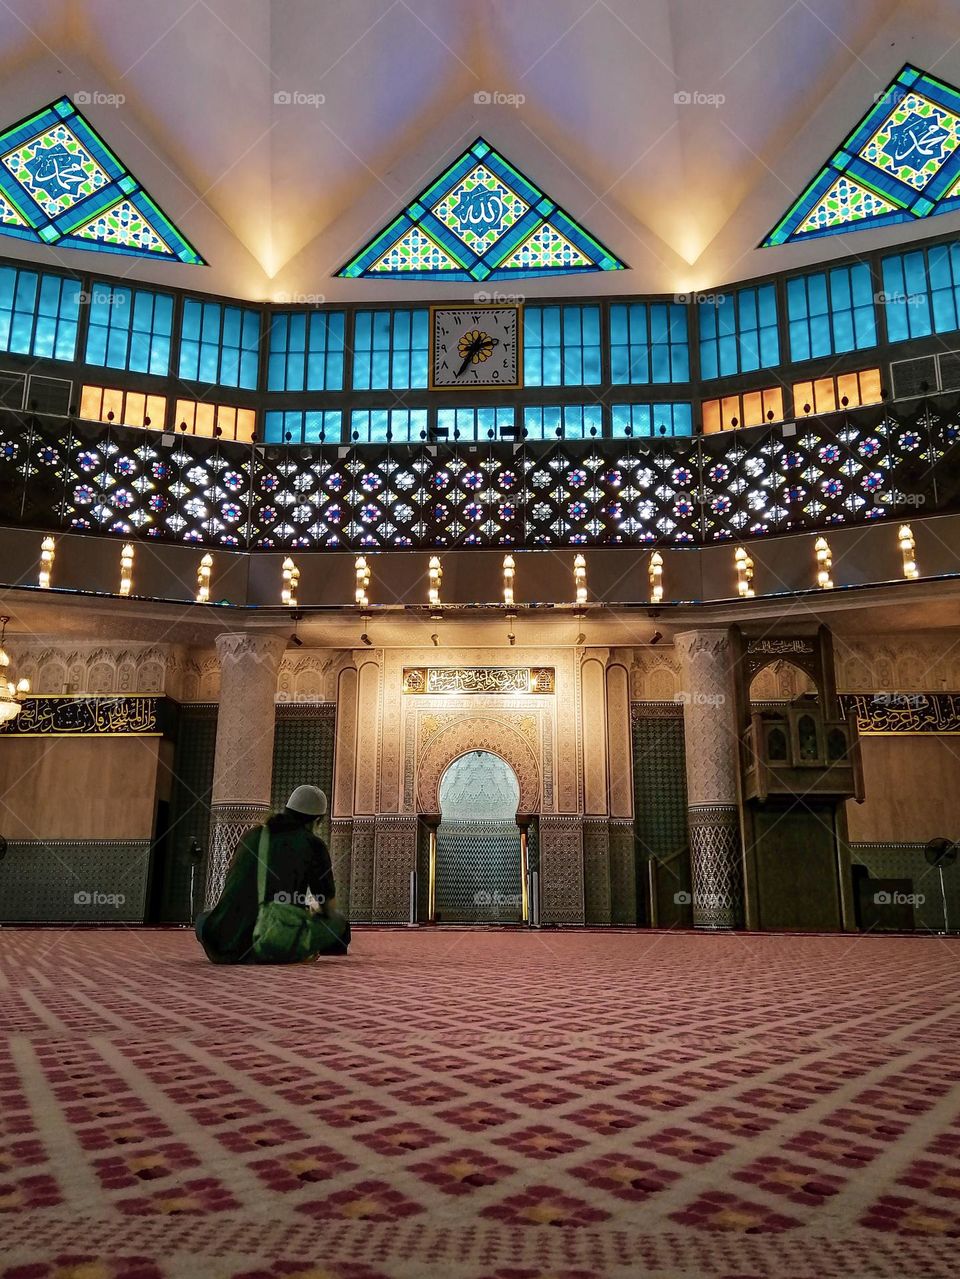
(282, 933)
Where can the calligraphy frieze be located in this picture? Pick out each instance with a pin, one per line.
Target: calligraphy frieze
(86, 717)
(903, 712)
(479, 679)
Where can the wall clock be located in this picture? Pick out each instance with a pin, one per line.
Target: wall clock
(474, 347)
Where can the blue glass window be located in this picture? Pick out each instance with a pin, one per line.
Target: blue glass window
(306, 351)
(405, 426)
(390, 350)
(220, 344)
(739, 332)
(474, 424)
(649, 342)
(830, 312)
(561, 345)
(38, 314)
(569, 421)
(129, 329)
(921, 292)
(651, 419)
(313, 426)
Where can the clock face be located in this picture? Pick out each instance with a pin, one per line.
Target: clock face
(474, 347)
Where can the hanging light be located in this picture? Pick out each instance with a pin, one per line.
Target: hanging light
(12, 692)
(435, 573)
(824, 564)
(291, 580)
(363, 582)
(126, 569)
(655, 572)
(744, 572)
(203, 579)
(48, 550)
(580, 579)
(908, 549)
(509, 573)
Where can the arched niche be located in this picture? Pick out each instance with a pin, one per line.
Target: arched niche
(477, 733)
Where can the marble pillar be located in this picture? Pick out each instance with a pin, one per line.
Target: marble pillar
(243, 763)
(713, 814)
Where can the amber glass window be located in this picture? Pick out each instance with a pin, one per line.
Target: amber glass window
(129, 408)
(752, 408)
(826, 394)
(200, 418)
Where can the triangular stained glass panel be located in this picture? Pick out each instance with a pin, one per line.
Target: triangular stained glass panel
(901, 163)
(481, 219)
(60, 184)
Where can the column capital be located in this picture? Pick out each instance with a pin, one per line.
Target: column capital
(238, 646)
(712, 642)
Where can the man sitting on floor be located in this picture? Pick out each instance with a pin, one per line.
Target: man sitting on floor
(278, 904)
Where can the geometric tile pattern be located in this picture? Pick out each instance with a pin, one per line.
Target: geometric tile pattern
(487, 1105)
(683, 492)
(900, 163)
(481, 219)
(60, 184)
(192, 780)
(78, 881)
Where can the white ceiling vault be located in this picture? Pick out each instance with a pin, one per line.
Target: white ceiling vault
(278, 194)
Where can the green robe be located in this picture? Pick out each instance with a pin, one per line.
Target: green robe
(298, 863)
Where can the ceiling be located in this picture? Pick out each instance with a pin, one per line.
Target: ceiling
(278, 195)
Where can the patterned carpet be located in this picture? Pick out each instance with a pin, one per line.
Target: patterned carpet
(470, 1105)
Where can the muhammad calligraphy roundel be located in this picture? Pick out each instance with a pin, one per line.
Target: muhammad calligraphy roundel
(474, 346)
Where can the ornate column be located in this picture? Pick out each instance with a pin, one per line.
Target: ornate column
(713, 815)
(243, 763)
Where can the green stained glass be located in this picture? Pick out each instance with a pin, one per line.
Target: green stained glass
(914, 142)
(414, 251)
(480, 210)
(56, 170)
(546, 249)
(846, 202)
(125, 226)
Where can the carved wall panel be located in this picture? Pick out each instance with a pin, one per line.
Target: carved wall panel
(395, 856)
(619, 743)
(596, 871)
(361, 869)
(561, 870)
(346, 743)
(367, 765)
(508, 736)
(594, 736)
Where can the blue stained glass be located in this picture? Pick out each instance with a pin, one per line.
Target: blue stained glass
(739, 332)
(921, 292)
(220, 344)
(474, 423)
(390, 350)
(651, 419)
(404, 426)
(561, 346)
(568, 421)
(312, 426)
(481, 219)
(60, 184)
(830, 312)
(39, 314)
(900, 163)
(649, 342)
(129, 328)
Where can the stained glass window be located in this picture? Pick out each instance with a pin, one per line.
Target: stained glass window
(202, 418)
(481, 219)
(220, 344)
(826, 394)
(561, 345)
(900, 163)
(752, 408)
(60, 184)
(306, 351)
(404, 426)
(390, 350)
(921, 292)
(649, 342)
(38, 313)
(739, 332)
(310, 426)
(129, 408)
(651, 419)
(475, 424)
(568, 421)
(129, 328)
(830, 312)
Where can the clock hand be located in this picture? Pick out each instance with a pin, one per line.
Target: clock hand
(475, 346)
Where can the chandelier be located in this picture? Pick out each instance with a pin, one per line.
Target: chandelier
(11, 692)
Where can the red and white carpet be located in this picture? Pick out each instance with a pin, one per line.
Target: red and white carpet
(471, 1105)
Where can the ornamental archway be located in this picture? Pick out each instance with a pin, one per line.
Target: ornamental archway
(477, 733)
